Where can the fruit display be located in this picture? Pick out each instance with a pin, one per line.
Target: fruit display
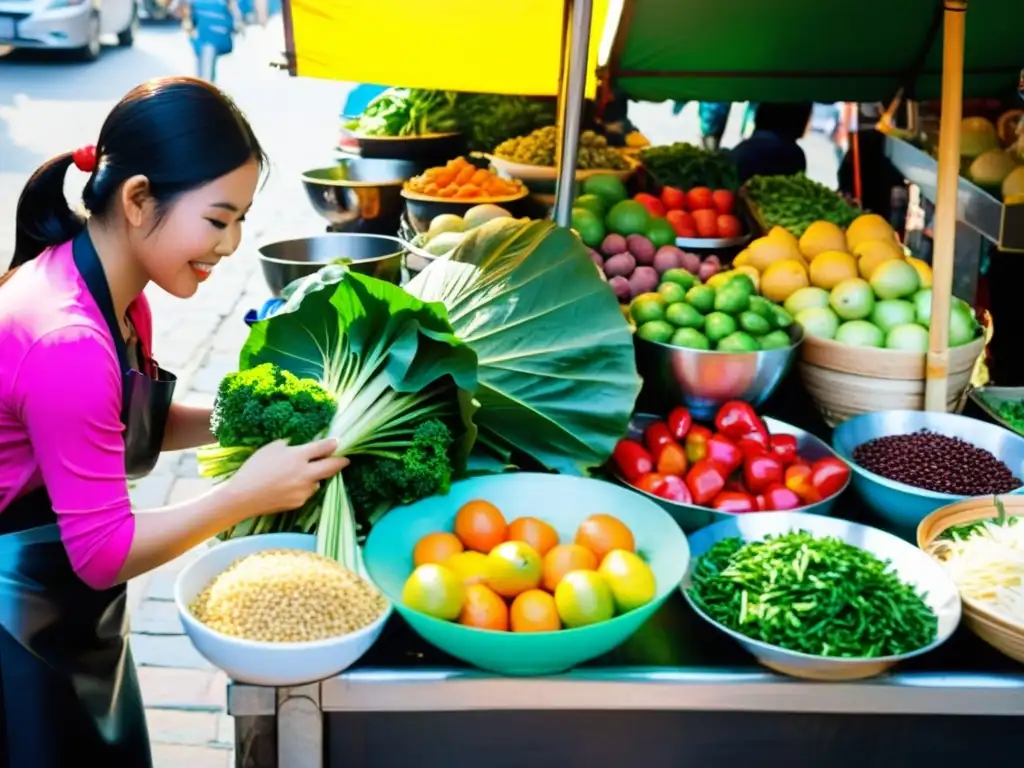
(254, 599)
(634, 266)
(538, 148)
(685, 166)
(518, 576)
(815, 595)
(461, 180)
(734, 466)
(856, 287)
(991, 154)
(448, 230)
(724, 314)
(795, 202)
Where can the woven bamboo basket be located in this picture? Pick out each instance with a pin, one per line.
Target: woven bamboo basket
(845, 381)
(1005, 636)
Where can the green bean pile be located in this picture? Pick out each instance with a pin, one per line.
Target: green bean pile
(686, 166)
(817, 596)
(795, 202)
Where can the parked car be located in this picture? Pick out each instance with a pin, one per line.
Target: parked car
(67, 25)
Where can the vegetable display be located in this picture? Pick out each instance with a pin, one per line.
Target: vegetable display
(461, 180)
(518, 576)
(685, 166)
(538, 148)
(255, 599)
(819, 596)
(1010, 411)
(737, 467)
(795, 202)
(408, 112)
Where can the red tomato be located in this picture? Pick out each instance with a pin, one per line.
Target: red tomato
(651, 203)
(729, 226)
(673, 199)
(681, 221)
(686, 232)
(723, 200)
(699, 199)
(707, 223)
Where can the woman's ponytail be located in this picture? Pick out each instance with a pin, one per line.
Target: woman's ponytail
(44, 218)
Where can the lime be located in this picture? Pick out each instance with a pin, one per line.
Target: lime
(775, 340)
(743, 281)
(592, 203)
(589, 225)
(754, 324)
(909, 337)
(860, 333)
(628, 217)
(681, 277)
(853, 299)
(889, 313)
(582, 598)
(923, 307)
(434, 590)
(764, 308)
(684, 316)
(781, 317)
(718, 325)
(690, 338)
(660, 232)
(806, 298)
(672, 292)
(701, 298)
(647, 307)
(738, 342)
(605, 186)
(819, 321)
(895, 279)
(655, 330)
(732, 299)
(962, 325)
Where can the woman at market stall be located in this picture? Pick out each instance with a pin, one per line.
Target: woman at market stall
(84, 406)
(772, 148)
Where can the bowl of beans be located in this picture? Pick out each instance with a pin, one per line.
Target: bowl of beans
(269, 611)
(907, 464)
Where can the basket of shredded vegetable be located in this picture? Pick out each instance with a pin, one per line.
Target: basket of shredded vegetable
(819, 598)
(980, 542)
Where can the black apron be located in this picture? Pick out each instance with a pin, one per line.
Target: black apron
(69, 695)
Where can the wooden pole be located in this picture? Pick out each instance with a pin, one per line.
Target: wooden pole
(954, 22)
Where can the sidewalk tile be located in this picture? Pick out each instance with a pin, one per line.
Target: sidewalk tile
(171, 726)
(167, 651)
(182, 756)
(192, 689)
(156, 617)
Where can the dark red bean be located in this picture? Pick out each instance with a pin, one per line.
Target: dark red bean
(936, 462)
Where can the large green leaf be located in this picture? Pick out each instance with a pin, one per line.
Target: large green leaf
(337, 309)
(558, 379)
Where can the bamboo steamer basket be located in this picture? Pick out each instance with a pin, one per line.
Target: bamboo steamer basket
(1004, 635)
(845, 381)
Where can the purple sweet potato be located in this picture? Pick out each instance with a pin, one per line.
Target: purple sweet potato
(596, 257)
(668, 257)
(620, 265)
(621, 287)
(691, 262)
(644, 279)
(707, 271)
(641, 248)
(613, 244)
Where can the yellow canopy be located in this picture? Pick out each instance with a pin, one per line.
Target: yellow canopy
(489, 46)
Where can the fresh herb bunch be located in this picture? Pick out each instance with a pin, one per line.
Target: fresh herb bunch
(1012, 412)
(795, 202)
(686, 166)
(822, 597)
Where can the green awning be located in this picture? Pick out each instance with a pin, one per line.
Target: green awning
(798, 50)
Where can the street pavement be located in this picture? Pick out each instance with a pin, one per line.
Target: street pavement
(49, 105)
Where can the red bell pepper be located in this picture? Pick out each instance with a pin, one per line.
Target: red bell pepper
(674, 488)
(734, 484)
(779, 498)
(736, 420)
(656, 437)
(632, 459)
(672, 460)
(759, 472)
(650, 482)
(784, 448)
(829, 475)
(679, 422)
(724, 453)
(697, 443)
(762, 504)
(705, 481)
(751, 446)
(735, 502)
(798, 480)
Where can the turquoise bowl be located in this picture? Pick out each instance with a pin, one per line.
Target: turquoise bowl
(563, 502)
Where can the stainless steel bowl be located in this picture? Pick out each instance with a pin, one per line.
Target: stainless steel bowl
(703, 380)
(359, 194)
(912, 565)
(378, 256)
(902, 505)
(692, 517)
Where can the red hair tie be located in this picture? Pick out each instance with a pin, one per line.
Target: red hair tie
(85, 158)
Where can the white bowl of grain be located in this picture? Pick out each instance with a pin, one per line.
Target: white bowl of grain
(282, 598)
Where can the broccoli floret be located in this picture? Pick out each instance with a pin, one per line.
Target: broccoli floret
(265, 403)
(375, 484)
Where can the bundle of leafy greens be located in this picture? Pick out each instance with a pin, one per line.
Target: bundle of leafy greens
(358, 359)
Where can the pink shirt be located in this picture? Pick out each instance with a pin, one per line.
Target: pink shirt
(60, 410)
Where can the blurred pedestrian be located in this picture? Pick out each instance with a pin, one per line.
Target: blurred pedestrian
(772, 148)
(211, 25)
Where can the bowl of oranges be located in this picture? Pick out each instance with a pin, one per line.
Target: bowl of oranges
(527, 574)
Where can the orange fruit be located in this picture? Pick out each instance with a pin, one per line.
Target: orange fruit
(514, 567)
(483, 609)
(603, 533)
(436, 548)
(534, 611)
(471, 567)
(480, 526)
(565, 558)
(538, 534)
